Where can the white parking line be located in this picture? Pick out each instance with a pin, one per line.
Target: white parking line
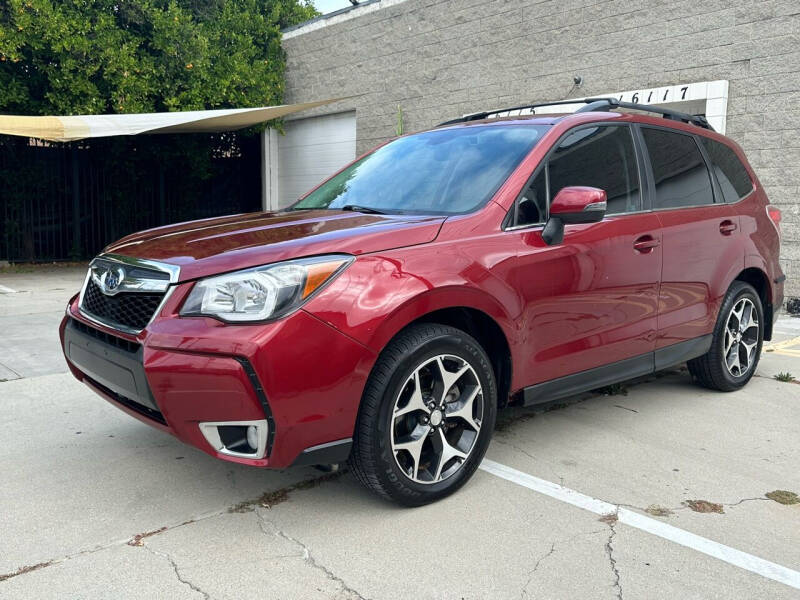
(6, 290)
(732, 556)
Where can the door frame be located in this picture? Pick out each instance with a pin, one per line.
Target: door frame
(638, 150)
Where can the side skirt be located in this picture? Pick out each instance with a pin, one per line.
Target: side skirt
(681, 352)
(623, 370)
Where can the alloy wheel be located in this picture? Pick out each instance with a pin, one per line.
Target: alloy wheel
(436, 419)
(741, 337)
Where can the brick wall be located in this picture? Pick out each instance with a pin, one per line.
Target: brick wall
(438, 60)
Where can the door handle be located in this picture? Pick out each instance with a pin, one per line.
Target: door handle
(645, 244)
(727, 227)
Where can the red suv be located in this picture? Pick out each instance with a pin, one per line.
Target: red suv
(385, 316)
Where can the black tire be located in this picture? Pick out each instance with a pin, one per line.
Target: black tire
(710, 370)
(372, 459)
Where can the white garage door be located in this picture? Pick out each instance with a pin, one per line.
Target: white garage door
(311, 150)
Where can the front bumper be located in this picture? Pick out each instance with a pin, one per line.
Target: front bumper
(300, 374)
(112, 365)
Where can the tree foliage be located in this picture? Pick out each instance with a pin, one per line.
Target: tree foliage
(125, 56)
(61, 57)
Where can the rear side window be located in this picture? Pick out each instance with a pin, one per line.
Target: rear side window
(730, 172)
(680, 173)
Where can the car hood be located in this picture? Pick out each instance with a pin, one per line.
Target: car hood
(211, 246)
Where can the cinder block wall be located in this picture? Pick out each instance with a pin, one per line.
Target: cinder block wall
(437, 60)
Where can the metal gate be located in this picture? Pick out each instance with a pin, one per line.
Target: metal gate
(66, 202)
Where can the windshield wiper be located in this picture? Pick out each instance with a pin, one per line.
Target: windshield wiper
(362, 209)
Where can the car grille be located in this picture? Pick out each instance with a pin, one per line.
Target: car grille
(131, 310)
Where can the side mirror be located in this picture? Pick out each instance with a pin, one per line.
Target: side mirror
(574, 204)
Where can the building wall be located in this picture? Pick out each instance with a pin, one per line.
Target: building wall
(436, 60)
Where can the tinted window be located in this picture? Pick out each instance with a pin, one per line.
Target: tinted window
(445, 171)
(731, 174)
(680, 174)
(532, 206)
(601, 157)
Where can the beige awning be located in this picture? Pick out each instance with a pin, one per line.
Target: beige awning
(67, 129)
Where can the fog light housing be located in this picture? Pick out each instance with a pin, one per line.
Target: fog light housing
(245, 439)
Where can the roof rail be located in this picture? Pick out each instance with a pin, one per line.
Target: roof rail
(593, 105)
(606, 104)
(482, 115)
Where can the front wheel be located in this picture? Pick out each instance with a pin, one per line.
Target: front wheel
(736, 347)
(426, 417)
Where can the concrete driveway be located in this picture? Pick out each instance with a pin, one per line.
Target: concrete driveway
(658, 490)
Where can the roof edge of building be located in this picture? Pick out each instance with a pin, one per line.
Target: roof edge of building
(338, 16)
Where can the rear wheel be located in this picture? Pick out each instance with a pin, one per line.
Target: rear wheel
(426, 417)
(736, 346)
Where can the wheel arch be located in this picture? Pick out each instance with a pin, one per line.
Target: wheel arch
(468, 309)
(759, 280)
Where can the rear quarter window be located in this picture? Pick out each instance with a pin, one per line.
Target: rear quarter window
(731, 174)
(679, 171)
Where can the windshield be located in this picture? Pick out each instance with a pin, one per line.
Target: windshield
(445, 172)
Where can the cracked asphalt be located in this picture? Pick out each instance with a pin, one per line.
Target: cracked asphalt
(94, 504)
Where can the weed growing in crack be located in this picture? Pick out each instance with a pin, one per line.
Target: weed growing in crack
(272, 498)
(704, 506)
(609, 519)
(783, 497)
(137, 539)
(28, 569)
(658, 511)
(615, 389)
(242, 507)
(785, 377)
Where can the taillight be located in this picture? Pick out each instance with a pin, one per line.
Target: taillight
(775, 214)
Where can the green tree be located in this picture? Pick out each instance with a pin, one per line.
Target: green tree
(123, 56)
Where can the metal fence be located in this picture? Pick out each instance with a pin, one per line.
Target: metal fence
(67, 201)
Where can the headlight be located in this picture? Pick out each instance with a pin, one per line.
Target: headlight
(262, 293)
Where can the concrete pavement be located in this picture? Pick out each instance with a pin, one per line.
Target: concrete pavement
(32, 302)
(94, 504)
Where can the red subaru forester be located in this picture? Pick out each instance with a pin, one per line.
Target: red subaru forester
(384, 317)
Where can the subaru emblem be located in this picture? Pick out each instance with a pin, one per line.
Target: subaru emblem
(110, 280)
